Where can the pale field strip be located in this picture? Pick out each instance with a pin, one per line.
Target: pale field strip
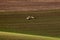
(17, 36)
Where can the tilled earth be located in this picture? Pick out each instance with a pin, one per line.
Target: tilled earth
(27, 5)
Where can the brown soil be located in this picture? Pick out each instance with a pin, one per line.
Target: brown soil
(26, 5)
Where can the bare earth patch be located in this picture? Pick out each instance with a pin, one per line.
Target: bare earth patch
(29, 5)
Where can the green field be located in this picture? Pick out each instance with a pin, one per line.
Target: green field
(19, 36)
(47, 23)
